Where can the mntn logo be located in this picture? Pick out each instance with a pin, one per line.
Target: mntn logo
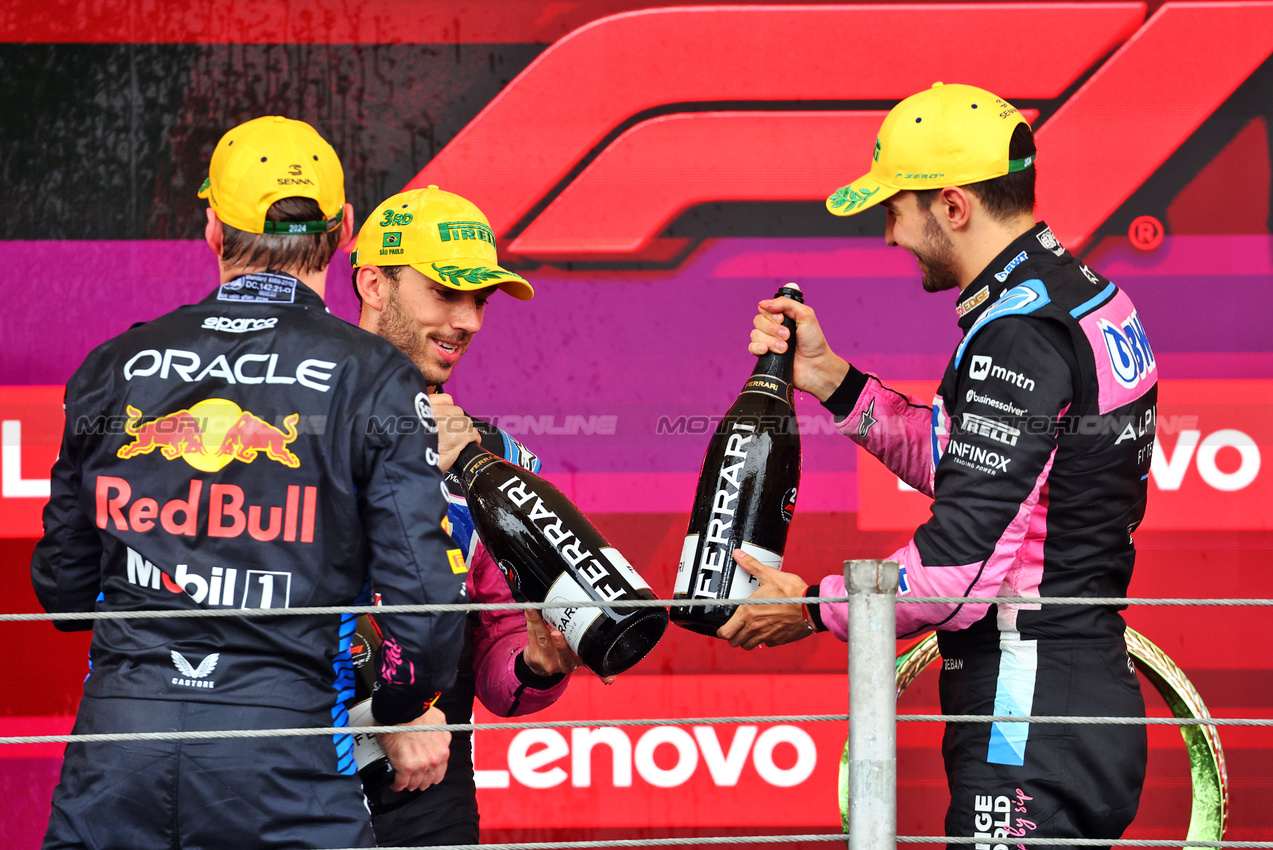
(980, 367)
(532, 752)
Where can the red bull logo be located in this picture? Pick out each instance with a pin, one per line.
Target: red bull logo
(223, 511)
(210, 435)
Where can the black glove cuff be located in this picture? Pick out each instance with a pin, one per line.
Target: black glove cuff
(531, 679)
(845, 397)
(815, 615)
(393, 705)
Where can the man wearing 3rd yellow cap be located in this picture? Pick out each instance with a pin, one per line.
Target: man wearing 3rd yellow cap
(225, 456)
(1036, 452)
(424, 268)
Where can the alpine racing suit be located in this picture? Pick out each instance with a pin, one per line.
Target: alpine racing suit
(248, 451)
(1036, 452)
(492, 669)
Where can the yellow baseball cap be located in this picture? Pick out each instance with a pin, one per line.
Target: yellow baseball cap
(439, 234)
(945, 136)
(268, 159)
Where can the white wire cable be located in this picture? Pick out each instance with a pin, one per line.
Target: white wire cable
(834, 838)
(1117, 601)
(111, 737)
(656, 603)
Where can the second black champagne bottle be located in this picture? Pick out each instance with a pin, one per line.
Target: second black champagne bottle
(549, 552)
(746, 491)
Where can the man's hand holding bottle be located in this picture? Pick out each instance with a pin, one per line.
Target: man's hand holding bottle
(546, 652)
(418, 758)
(455, 429)
(818, 369)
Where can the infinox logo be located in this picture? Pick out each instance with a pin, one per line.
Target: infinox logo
(209, 435)
(575, 105)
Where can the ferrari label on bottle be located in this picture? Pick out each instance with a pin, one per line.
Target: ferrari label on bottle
(688, 550)
(623, 568)
(366, 747)
(549, 552)
(744, 584)
(571, 622)
(746, 492)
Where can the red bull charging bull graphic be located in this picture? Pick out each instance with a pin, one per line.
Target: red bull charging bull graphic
(210, 435)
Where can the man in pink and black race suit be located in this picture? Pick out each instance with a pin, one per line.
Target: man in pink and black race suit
(424, 269)
(246, 473)
(1036, 452)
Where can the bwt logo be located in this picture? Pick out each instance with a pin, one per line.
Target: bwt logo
(1130, 356)
(533, 753)
(585, 107)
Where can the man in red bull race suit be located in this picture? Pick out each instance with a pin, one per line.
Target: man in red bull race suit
(1036, 452)
(247, 451)
(425, 266)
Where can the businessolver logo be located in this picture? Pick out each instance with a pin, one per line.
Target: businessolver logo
(210, 435)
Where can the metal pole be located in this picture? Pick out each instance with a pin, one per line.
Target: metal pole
(872, 704)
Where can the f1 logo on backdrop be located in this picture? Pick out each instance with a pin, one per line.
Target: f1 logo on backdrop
(602, 80)
(1207, 472)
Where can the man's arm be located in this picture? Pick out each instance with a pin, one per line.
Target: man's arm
(402, 503)
(519, 667)
(896, 428)
(991, 476)
(66, 563)
(893, 427)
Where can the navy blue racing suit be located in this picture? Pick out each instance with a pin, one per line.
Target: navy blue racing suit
(248, 451)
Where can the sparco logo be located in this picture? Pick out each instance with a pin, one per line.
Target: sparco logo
(195, 675)
(238, 326)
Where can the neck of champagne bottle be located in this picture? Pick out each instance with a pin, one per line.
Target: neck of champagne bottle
(782, 365)
(464, 466)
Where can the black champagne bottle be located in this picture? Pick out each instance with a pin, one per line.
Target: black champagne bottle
(374, 769)
(746, 491)
(549, 552)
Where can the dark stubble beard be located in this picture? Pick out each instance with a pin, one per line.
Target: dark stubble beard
(397, 327)
(937, 258)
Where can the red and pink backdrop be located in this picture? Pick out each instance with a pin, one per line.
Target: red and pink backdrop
(654, 173)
